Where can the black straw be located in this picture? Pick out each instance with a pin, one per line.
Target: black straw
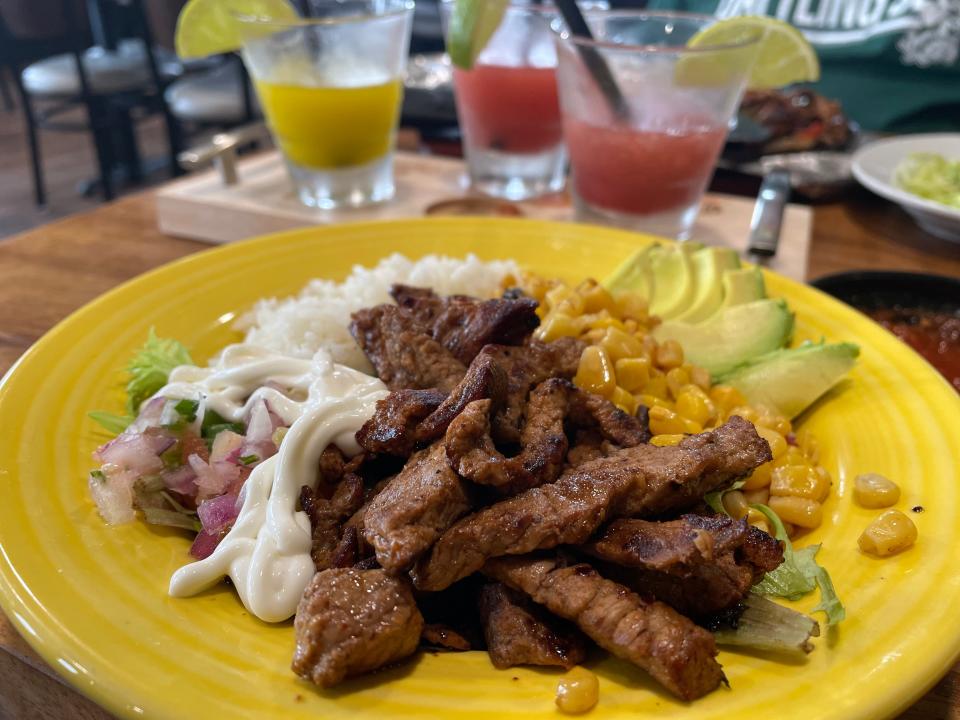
(592, 58)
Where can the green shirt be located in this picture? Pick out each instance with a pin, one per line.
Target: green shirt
(893, 64)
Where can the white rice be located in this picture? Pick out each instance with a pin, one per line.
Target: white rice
(318, 317)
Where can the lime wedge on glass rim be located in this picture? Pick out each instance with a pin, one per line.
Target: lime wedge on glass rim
(472, 24)
(208, 27)
(784, 55)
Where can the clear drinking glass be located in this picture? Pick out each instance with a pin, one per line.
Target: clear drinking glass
(331, 88)
(508, 107)
(646, 166)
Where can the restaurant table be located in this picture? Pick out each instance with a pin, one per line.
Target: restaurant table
(48, 272)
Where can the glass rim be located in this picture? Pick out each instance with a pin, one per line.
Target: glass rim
(525, 6)
(578, 41)
(403, 7)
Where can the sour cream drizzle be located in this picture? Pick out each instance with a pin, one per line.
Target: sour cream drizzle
(267, 552)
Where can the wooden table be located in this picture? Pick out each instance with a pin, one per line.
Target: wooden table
(49, 272)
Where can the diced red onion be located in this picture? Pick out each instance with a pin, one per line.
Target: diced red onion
(205, 543)
(180, 480)
(132, 451)
(150, 413)
(218, 513)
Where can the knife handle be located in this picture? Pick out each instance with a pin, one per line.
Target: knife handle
(768, 213)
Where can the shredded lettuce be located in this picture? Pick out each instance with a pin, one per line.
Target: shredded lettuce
(147, 372)
(931, 176)
(115, 424)
(799, 574)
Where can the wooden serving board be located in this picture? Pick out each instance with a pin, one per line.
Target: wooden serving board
(201, 207)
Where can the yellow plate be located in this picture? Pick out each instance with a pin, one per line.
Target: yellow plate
(92, 599)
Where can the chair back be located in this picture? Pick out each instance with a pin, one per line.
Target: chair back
(33, 29)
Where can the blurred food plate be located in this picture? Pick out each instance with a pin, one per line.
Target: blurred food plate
(875, 167)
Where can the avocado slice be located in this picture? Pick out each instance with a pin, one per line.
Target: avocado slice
(710, 266)
(743, 285)
(633, 275)
(789, 381)
(675, 279)
(733, 335)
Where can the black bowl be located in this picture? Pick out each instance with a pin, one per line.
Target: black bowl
(872, 290)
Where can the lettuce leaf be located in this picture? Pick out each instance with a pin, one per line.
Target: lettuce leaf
(151, 366)
(715, 499)
(799, 574)
(147, 372)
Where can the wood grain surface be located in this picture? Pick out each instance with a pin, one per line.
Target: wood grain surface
(47, 273)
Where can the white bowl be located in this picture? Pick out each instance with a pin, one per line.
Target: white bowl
(875, 165)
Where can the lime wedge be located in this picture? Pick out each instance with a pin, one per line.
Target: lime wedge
(208, 27)
(783, 58)
(472, 24)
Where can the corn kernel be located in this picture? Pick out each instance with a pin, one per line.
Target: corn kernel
(746, 412)
(677, 379)
(596, 297)
(793, 456)
(735, 504)
(594, 336)
(632, 305)
(578, 691)
(572, 305)
(808, 445)
(652, 401)
(758, 520)
(657, 386)
(802, 512)
(791, 530)
(632, 373)
(872, 490)
(760, 496)
(595, 372)
(630, 325)
(759, 478)
(624, 400)
(558, 325)
(666, 422)
(799, 481)
(889, 534)
(557, 294)
(669, 355)
(690, 426)
(693, 403)
(649, 346)
(776, 441)
(604, 321)
(700, 377)
(726, 398)
(666, 440)
(620, 344)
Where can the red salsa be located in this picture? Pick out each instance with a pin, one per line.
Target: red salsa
(933, 334)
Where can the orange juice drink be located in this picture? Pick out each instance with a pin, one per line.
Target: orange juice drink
(326, 128)
(330, 87)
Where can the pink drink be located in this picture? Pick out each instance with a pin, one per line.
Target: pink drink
(509, 109)
(625, 169)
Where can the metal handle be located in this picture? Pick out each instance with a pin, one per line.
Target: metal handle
(768, 213)
(221, 151)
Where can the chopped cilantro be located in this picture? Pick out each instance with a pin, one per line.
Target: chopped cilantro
(187, 409)
(249, 459)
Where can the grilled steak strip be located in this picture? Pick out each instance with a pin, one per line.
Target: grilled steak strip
(518, 632)
(543, 440)
(651, 635)
(698, 565)
(642, 480)
(463, 324)
(352, 621)
(392, 428)
(402, 351)
(415, 507)
(327, 517)
(442, 636)
(674, 546)
(525, 368)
